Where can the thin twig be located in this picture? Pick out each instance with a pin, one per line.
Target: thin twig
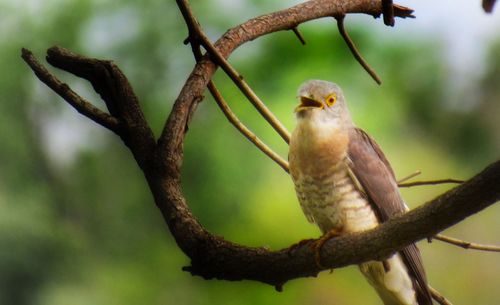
(230, 71)
(247, 91)
(299, 35)
(412, 175)
(233, 118)
(71, 97)
(466, 244)
(430, 182)
(388, 11)
(439, 297)
(243, 129)
(354, 50)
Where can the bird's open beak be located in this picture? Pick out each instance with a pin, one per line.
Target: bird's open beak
(307, 103)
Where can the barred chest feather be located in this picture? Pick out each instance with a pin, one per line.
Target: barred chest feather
(326, 192)
(329, 197)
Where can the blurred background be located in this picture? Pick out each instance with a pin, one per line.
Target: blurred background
(78, 224)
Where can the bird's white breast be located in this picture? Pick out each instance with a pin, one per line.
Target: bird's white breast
(333, 202)
(326, 192)
(330, 197)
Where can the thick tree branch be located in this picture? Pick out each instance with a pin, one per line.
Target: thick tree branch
(223, 260)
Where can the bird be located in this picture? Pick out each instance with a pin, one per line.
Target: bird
(345, 184)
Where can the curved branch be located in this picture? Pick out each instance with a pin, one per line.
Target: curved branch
(214, 257)
(224, 260)
(287, 19)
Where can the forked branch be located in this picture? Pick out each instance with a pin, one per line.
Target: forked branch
(71, 97)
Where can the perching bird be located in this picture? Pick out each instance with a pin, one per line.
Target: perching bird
(345, 184)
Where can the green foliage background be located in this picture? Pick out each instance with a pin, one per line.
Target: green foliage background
(78, 225)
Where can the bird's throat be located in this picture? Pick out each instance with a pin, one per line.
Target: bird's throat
(316, 144)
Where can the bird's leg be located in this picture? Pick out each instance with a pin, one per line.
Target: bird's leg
(318, 244)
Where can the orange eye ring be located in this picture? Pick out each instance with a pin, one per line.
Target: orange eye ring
(331, 99)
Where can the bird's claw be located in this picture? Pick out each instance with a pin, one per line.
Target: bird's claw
(318, 244)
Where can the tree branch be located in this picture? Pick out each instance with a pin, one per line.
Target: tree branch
(354, 50)
(194, 31)
(233, 119)
(465, 244)
(439, 297)
(198, 36)
(71, 97)
(127, 119)
(388, 10)
(224, 260)
(299, 35)
(430, 182)
(412, 175)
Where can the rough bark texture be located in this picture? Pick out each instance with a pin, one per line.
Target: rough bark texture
(212, 256)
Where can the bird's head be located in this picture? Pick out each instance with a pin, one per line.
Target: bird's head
(322, 100)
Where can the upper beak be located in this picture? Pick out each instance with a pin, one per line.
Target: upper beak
(307, 102)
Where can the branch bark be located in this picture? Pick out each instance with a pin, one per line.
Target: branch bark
(466, 244)
(71, 97)
(212, 256)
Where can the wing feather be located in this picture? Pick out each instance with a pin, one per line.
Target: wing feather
(374, 173)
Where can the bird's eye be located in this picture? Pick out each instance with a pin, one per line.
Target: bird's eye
(331, 99)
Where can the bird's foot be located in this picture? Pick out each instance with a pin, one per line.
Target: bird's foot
(318, 244)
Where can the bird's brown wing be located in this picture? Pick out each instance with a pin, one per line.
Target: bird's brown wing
(375, 175)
